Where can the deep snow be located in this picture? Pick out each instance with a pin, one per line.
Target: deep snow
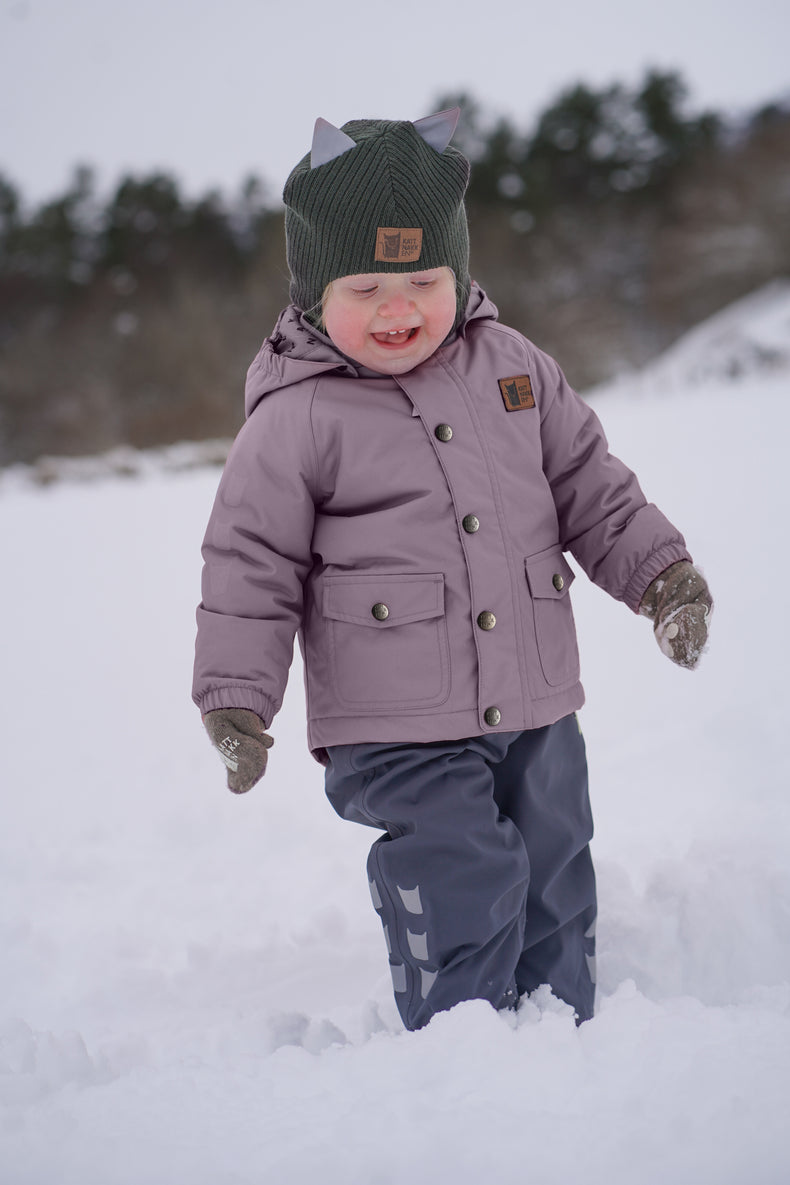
(194, 986)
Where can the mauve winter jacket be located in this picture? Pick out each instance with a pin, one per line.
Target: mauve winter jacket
(411, 530)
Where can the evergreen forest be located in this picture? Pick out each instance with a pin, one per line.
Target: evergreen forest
(616, 221)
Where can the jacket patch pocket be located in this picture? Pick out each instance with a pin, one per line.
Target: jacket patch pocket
(387, 637)
(550, 576)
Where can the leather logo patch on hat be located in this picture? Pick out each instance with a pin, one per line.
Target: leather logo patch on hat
(398, 244)
(517, 392)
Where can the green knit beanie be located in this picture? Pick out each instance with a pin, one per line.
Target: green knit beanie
(377, 196)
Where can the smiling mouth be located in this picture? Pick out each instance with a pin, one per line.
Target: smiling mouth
(396, 337)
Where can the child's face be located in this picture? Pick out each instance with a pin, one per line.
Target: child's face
(391, 322)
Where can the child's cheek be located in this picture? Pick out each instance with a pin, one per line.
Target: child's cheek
(343, 327)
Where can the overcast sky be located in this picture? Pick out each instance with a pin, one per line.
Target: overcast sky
(211, 91)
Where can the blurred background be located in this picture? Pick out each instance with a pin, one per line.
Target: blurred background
(631, 176)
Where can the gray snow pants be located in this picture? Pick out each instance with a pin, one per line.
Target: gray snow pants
(483, 878)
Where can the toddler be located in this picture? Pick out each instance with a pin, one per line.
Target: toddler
(401, 496)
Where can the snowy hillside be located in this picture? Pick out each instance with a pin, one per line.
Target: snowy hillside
(195, 987)
(748, 339)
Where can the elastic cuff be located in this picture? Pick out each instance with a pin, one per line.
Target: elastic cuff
(236, 695)
(647, 571)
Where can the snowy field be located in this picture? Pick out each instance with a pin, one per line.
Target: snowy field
(194, 986)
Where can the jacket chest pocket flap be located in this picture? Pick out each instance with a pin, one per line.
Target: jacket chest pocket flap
(387, 638)
(550, 577)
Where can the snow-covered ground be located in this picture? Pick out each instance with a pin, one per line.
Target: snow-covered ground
(194, 986)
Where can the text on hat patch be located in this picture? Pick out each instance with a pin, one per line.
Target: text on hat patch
(395, 244)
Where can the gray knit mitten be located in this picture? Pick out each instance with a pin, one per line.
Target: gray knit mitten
(237, 735)
(679, 604)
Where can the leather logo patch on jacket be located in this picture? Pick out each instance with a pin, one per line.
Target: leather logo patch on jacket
(398, 244)
(517, 392)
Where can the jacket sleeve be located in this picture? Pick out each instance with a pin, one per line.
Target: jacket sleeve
(257, 553)
(621, 541)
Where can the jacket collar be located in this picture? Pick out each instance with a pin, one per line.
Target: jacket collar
(296, 350)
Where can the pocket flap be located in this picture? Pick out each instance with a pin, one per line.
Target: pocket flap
(384, 601)
(549, 575)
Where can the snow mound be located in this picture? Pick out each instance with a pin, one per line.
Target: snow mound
(749, 337)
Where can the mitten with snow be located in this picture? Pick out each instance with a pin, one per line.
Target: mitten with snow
(679, 604)
(237, 735)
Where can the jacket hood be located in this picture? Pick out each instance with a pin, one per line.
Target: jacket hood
(296, 350)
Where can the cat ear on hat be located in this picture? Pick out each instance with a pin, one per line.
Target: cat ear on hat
(437, 130)
(328, 143)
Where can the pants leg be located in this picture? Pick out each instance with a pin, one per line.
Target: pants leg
(450, 874)
(483, 878)
(542, 786)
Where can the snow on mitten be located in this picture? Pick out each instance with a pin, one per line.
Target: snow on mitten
(679, 604)
(237, 735)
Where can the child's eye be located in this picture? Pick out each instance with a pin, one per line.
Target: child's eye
(424, 283)
(364, 291)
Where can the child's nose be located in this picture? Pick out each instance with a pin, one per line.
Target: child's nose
(396, 304)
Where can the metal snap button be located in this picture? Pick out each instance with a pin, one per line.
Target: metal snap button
(486, 620)
(443, 432)
(492, 716)
(558, 582)
(470, 523)
(380, 611)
